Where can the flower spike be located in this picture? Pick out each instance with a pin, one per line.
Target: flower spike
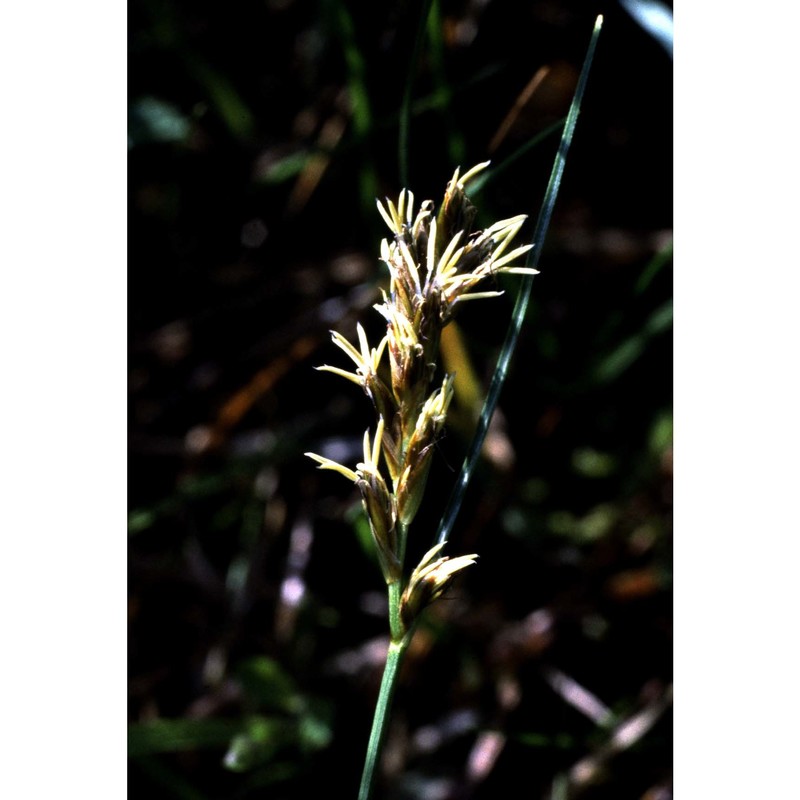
(435, 261)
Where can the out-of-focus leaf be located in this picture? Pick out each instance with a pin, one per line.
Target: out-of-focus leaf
(154, 120)
(661, 434)
(592, 463)
(163, 775)
(264, 737)
(654, 266)
(456, 142)
(200, 487)
(360, 103)
(589, 528)
(625, 354)
(225, 99)
(285, 168)
(140, 520)
(266, 683)
(562, 741)
(176, 735)
(257, 744)
(315, 732)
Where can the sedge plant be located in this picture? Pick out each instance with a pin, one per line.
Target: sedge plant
(436, 261)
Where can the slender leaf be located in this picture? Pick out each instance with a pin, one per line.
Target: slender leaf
(523, 296)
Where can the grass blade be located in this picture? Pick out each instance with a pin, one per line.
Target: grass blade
(523, 296)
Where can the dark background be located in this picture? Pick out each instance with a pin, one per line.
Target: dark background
(260, 135)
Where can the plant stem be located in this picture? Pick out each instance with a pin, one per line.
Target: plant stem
(395, 623)
(379, 722)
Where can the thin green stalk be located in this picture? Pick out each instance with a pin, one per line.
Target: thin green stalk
(379, 722)
(395, 591)
(408, 424)
(405, 109)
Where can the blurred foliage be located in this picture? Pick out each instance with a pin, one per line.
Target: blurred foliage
(259, 136)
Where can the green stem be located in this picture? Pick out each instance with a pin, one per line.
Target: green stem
(397, 646)
(380, 721)
(402, 539)
(395, 623)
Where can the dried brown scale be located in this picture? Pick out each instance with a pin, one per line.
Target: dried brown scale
(381, 512)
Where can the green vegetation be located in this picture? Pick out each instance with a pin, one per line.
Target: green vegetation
(259, 142)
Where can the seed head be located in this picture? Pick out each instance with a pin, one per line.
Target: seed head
(429, 580)
(435, 261)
